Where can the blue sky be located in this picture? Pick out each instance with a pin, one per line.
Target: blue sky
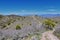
(29, 7)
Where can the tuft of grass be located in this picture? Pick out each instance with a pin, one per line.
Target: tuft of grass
(18, 27)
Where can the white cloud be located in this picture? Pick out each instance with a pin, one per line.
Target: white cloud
(32, 12)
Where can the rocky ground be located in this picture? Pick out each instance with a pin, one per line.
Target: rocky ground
(29, 28)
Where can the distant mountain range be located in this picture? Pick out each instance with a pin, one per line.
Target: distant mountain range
(50, 15)
(43, 15)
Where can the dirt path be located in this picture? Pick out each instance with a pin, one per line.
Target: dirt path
(49, 36)
(36, 19)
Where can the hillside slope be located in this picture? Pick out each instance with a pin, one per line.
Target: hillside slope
(14, 27)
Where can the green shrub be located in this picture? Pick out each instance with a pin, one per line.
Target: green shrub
(30, 24)
(18, 27)
(1, 16)
(24, 17)
(9, 23)
(50, 24)
(3, 26)
(18, 18)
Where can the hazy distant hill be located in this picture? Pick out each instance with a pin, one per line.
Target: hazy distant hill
(50, 15)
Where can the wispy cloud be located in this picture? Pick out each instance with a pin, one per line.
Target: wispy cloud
(32, 12)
